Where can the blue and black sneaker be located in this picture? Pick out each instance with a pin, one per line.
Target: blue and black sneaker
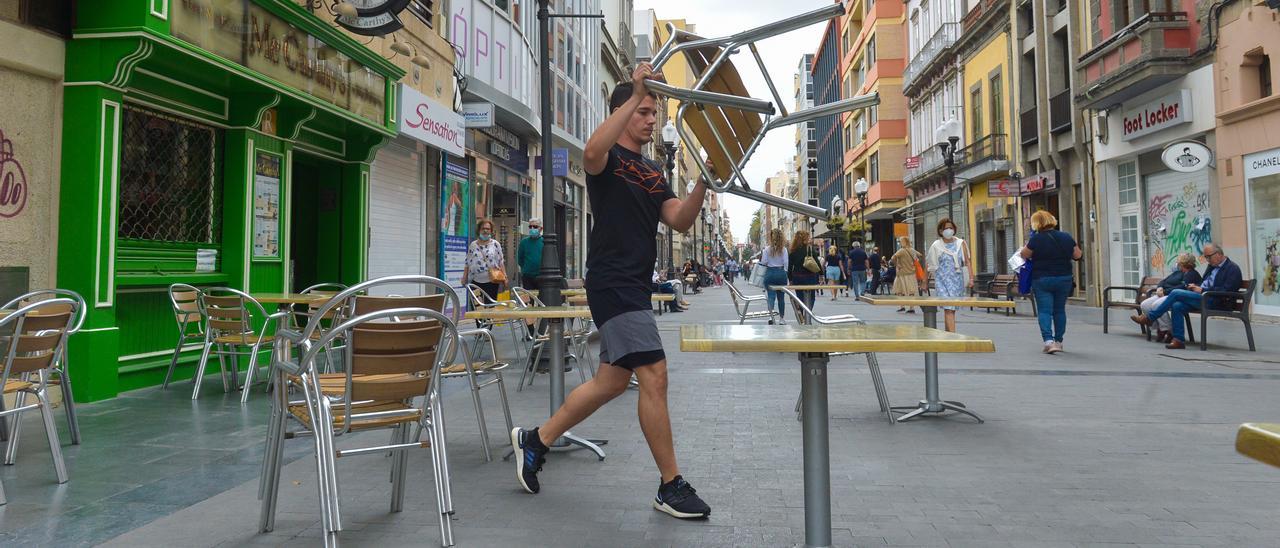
(679, 499)
(530, 455)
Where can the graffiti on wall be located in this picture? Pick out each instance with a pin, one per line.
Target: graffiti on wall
(13, 181)
(1177, 223)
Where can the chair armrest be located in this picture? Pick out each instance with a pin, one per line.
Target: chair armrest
(1106, 291)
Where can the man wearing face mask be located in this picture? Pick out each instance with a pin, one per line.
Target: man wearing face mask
(529, 255)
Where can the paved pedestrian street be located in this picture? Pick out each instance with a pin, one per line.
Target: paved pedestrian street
(1116, 442)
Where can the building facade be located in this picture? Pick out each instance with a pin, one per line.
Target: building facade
(31, 72)
(932, 84)
(806, 158)
(1248, 148)
(1051, 142)
(202, 157)
(874, 139)
(1148, 79)
(830, 140)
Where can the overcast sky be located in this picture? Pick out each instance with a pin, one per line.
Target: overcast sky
(781, 54)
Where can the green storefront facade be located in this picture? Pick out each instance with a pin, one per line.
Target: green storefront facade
(213, 143)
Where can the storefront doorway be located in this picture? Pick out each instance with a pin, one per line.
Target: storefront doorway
(314, 222)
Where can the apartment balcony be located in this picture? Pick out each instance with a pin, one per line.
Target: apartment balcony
(984, 13)
(1060, 112)
(982, 158)
(930, 164)
(1149, 52)
(935, 53)
(1029, 126)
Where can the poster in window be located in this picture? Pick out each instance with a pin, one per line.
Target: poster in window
(266, 205)
(454, 226)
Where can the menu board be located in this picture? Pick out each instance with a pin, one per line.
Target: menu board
(266, 205)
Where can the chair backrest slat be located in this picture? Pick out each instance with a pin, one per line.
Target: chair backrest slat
(40, 321)
(396, 388)
(37, 333)
(368, 304)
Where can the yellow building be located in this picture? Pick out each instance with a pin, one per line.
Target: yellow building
(988, 215)
(678, 73)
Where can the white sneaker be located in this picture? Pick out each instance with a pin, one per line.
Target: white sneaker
(1048, 347)
(1057, 347)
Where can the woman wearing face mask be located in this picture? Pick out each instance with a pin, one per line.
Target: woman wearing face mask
(948, 263)
(484, 255)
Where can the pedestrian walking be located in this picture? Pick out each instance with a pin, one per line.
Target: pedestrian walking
(486, 264)
(774, 258)
(874, 264)
(858, 264)
(834, 270)
(803, 267)
(904, 263)
(1051, 251)
(948, 262)
(529, 255)
(630, 191)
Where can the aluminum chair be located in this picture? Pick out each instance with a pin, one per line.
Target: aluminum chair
(331, 318)
(36, 335)
(742, 305)
(60, 366)
(537, 341)
(229, 331)
(480, 300)
(725, 120)
(394, 356)
(185, 301)
(805, 316)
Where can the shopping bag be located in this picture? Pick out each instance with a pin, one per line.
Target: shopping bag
(757, 276)
(1024, 278)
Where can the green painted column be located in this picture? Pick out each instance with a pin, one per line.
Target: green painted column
(87, 233)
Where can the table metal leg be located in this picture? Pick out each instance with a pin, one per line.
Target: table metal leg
(555, 336)
(932, 402)
(817, 455)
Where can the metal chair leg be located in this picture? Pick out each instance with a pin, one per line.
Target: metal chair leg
(248, 376)
(502, 395)
(235, 370)
(173, 362)
(51, 430)
(204, 360)
(68, 399)
(877, 380)
(15, 429)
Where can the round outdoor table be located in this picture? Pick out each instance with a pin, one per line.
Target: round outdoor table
(564, 292)
(581, 300)
(932, 402)
(1259, 441)
(814, 345)
(288, 298)
(555, 316)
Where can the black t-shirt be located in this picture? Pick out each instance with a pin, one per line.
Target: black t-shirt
(858, 260)
(626, 199)
(1051, 252)
(875, 261)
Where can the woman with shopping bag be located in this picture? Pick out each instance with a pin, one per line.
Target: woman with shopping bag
(906, 261)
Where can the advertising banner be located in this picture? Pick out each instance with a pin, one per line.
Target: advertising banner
(455, 224)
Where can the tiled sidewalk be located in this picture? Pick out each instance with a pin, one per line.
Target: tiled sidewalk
(1115, 443)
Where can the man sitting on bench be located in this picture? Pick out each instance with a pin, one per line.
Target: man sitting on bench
(1222, 275)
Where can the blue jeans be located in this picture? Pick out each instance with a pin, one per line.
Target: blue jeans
(1051, 305)
(806, 295)
(1177, 304)
(858, 279)
(775, 275)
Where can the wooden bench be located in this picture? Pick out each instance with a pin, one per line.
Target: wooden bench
(1136, 294)
(980, 283)
(1003, 286)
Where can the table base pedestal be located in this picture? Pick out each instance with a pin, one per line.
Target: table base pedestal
(817, 452)
(937, 408)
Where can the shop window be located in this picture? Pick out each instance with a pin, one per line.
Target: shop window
(169, 191)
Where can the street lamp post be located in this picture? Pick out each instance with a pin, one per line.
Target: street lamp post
(837, 209)
(551, 277)
(670, 142)
(860, 189)
(948, 136)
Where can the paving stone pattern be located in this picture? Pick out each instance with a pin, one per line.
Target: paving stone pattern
(1117, 442)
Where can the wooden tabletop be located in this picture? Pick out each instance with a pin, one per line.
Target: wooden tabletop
(657, 298)
(288, 298)
(529, 313)
(1259, 441)
(812, 287)
(564, 292)
(931, 300)
(826, 338)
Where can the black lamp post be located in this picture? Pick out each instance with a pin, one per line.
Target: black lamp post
(670, 143)
(551, 277)
(948, 136)
(860, 189)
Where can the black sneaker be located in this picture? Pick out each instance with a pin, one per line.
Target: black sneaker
(679, 499)
(530, 456)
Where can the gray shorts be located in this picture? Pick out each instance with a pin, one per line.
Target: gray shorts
(628, 332)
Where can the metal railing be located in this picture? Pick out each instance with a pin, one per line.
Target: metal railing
(939, 43)
(930, 161)
(1029, 126)
(1060, 112)
(990, 147)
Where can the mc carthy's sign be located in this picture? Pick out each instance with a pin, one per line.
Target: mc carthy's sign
(1161, 113)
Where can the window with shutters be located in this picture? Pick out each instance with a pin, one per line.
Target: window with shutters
(169, 190)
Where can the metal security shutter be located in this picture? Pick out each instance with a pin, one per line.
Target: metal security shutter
(988, 246)
(1174, 205)
(397, 240)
